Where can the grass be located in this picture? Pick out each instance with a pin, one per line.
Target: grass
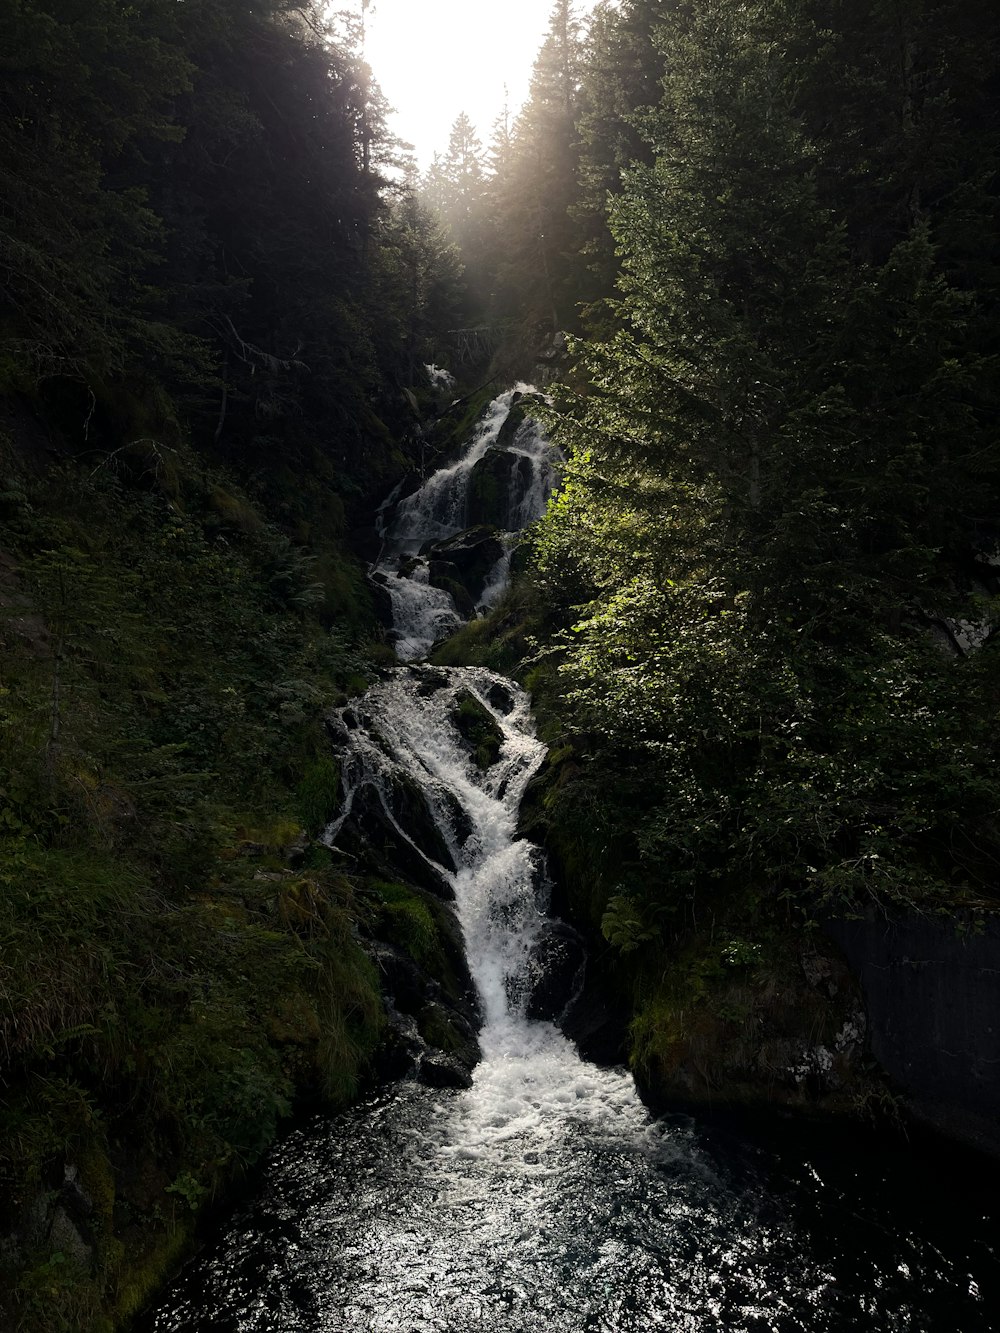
(168, 983)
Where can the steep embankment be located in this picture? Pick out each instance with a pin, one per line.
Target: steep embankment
(760, 632)
(179, 958)
(184, 959)
(213, 318)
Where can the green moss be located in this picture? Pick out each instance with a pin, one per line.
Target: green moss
(352, 1015)
(318, 794)
(437, 1030)
(479, 727)
(143, 1271)
(405, 919)
(234, 512)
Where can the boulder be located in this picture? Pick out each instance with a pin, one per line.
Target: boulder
(438, 1069)
(473, 553)
(371, 835)
(556, 963)
(500, 698)
(479, 729)
(444, 575)
(381, 599)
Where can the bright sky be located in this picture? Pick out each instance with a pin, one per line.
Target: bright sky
(435, 58)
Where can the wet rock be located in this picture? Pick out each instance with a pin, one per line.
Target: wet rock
(401, 1047)
(445, 1029)
(513, 422)
(473, 553)
(444, 575)
(382, 601)
(486, 499)
(402, 979)
(431, 680)
(932, 996)
(437, 1069)
(478, 728)
(458, 816)
(412, 813)
(556, 963)
(596, 1019)
(407, 565)
(431, 1022)
(500, 698)
(369, 834)
(336, 730)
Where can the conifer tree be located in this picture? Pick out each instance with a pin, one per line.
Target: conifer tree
(538, 238)
(773, 469)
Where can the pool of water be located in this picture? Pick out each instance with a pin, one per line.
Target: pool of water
(424, 1210)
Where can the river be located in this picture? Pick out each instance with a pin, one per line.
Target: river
(546, 1197)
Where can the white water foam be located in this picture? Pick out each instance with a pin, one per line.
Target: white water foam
(531, 1086)
(438, 510)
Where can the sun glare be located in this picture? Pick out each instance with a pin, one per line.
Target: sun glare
(436, 58)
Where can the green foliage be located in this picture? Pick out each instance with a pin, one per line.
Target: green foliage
(405, 919)
(318, 794)
(777, 471)
(625, 923)
(351, 1015)
(162, 974)
(479, 728)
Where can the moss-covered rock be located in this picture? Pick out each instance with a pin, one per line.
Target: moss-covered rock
(734, 1021)
(473, 554)
(479, 728)
(432, 1002)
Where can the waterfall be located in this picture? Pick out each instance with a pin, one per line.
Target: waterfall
(543, 1196)
(405, 734)
(422, 568)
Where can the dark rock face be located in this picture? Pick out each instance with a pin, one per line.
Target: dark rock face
(478, 728)
(500, 698)
(431, 680)
(932, 992)
(497, 485)
(371, 834)
(556, 964)
(381, 599)
(444, 574)
(438, 1069)
(472, 554)
(432, 1009)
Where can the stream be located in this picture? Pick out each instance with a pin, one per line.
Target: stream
(546, 1197)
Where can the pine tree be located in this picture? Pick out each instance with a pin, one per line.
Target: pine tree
(773, 468)
(538, 239)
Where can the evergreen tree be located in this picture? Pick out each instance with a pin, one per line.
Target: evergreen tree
(622, 69)
(538, 239)
(463, 171)
(773, 471)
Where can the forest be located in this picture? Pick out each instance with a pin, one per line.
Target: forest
(756, 246)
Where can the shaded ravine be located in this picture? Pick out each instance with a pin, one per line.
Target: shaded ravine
(544, 1197)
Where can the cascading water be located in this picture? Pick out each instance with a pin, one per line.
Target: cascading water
(543, 1199)
(424, 610)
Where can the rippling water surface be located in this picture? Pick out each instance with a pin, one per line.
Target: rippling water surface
(500, 1210)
